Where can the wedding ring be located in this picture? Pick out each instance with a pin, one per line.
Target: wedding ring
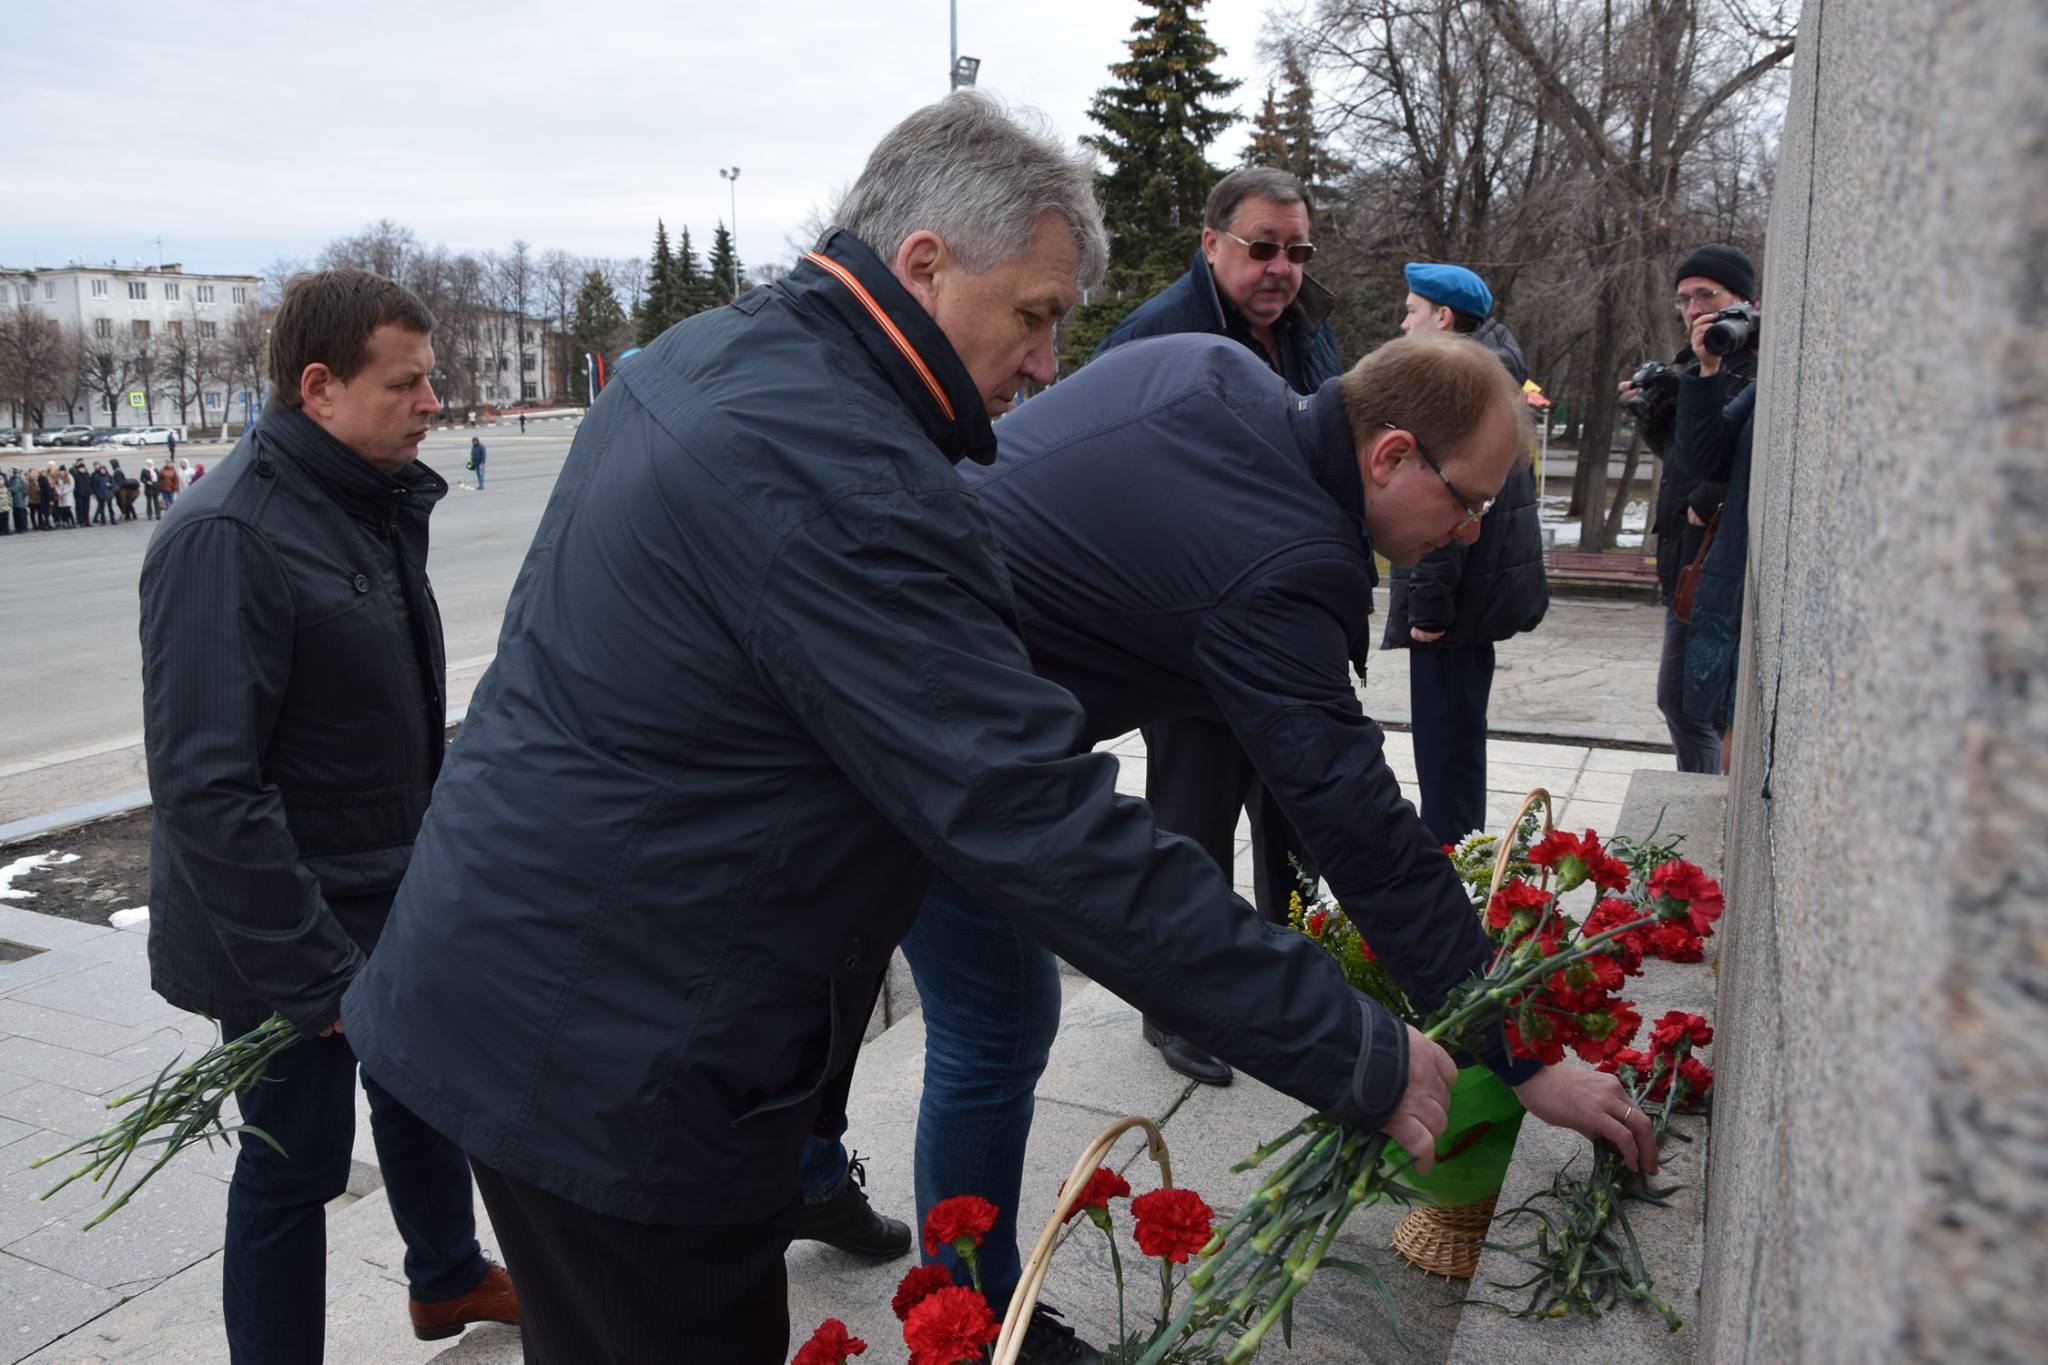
(1626, 1112)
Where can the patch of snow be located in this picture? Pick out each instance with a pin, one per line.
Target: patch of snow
(21, 867)
(128, 919)
(1564, 533)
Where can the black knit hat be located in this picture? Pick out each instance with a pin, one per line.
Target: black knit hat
(1722, 264)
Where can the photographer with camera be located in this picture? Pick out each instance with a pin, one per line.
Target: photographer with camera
(1713, 278)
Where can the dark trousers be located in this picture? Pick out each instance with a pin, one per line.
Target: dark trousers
(1447, 695)
(20, 517)
(1697, 742)
(149, 496)
(599, 1290)
(1197, 778)
(274, 1265)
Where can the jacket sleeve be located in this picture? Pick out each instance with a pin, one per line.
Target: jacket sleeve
(885, 627)
(216, 662)
(1706, 440)
(1273, 656)
(1433, 587)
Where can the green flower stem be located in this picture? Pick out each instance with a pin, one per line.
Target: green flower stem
(1116, 1263)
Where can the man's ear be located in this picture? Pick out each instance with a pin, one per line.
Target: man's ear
(1210, 241)
(1381, 457)
(918, 260)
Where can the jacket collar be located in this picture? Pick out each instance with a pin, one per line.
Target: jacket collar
(351, 480)
(1311, 308)
(846, 277)
(1325, 436)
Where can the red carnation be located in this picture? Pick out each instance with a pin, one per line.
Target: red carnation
(1572, 857)
(1676, 1025)
(1545, 1040)
(920, 1284)
(1609, 874)
(962, 1219)
(1696, 1077)
(949, 1326)
(1627, 1058)
(1517, 901)
(1172, 1223)
(1678, 885)
(1628, 949)
(1103, 1186)
(1674, 941)
(831, 1344)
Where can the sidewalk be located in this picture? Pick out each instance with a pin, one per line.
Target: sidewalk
(78, 1022)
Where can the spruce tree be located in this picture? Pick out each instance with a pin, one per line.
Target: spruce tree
(693, 294)
(722, 267)
(600, 329)
(1158, 121)
(1268, 146)
(657, 305)
(1302, 149)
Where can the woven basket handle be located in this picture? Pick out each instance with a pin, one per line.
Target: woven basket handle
(1507, 841)
(1025, 1298)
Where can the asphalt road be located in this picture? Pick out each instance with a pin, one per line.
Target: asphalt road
(70, 662)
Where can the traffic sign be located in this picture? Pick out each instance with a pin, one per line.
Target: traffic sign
(135, 399)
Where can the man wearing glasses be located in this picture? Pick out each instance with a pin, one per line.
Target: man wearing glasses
(1248, 282)
(1714, 277)
(1187, 538)
(1454, 604)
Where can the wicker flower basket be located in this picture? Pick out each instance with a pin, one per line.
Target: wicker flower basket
(1446, 1241)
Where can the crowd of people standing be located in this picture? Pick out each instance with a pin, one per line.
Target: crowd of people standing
(61, 497)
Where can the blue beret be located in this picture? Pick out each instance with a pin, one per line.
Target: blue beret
(1450, 286)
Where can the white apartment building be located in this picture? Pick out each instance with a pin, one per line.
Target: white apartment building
(140, 303)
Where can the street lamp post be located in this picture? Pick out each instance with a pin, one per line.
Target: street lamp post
(960, 71)
(732, 181)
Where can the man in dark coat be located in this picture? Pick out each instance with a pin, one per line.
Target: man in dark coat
(292, 676)
(1455, 603)
(1243, 597)
(686, 824)
(1714, 277)
(1247, 282)
(476, 459)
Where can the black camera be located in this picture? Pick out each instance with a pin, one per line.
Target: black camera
(1656, 387)
(1733, 329)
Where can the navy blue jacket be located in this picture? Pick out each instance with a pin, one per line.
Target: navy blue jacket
(759, 675)
(1494, 588)
(1308, 347)
(292, 714)
(1712, 440)
(1186, 537)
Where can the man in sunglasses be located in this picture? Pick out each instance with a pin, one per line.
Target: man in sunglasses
(1454, 604)
(1247, 282)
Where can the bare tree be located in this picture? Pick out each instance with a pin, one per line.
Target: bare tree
(561, 279)
(628, 279)
(518, 282)
(107, 364)
(383, 246)
(239, 360)
(36, 364)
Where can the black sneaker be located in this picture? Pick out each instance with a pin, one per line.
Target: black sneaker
(1048, 1341)
(1187, 1058)
(846, 1221)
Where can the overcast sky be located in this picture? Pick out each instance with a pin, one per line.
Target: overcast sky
(242, 132)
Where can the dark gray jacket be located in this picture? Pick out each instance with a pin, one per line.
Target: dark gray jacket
(292, 716)
(759, 674)
(1308, 347)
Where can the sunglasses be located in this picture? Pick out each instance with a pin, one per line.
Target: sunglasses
(1300, 253)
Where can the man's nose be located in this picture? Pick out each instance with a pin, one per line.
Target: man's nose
(1038, 363)
(1468, 531)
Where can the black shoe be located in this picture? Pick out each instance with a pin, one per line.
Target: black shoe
(845, 1220)
(1184, 1057)
(1048, 1341)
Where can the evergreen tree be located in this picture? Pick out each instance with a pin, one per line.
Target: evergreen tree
(658, 308)
(1158, 122)
(693, 290)
(721, 269)
(600, 329)
(1303, 150)
(1269, 134)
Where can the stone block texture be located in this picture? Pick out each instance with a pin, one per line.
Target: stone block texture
(1879, 1179)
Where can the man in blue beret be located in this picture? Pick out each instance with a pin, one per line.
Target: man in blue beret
(1455, 603)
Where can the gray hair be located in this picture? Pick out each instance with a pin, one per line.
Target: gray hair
(1253, 182)
(981, 179)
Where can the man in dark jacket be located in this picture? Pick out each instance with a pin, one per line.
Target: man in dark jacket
(685, 825)
(1242, 597)
(476, 460)
(1247, 282)
(292, 716)
(1457, 602)
(1712, 278)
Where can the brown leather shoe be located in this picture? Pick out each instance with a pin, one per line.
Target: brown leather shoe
(493, 1300)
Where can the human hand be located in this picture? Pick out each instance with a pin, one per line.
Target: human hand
(1425, 1106)
(1595, 1104)
(1428, 637)
(1627, 390)
(1710, 364)
(333, 1028)
(1692, 515)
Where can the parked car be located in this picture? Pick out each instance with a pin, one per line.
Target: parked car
(146, 436)
(10, 436)
(104, 436)
(65, 436)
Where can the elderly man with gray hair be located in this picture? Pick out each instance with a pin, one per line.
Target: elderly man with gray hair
(759, 676)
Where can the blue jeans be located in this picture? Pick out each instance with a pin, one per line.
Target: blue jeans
(1697, 742)
(274, 1264)
(991, 1001)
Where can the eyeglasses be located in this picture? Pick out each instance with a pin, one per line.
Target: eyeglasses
(1705, 298)
(1300, 253)
(1472, 513)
